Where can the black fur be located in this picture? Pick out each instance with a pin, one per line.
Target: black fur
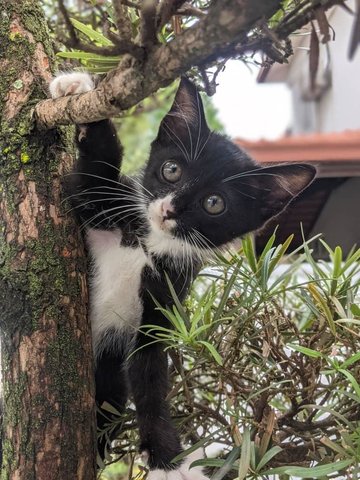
(211, 164)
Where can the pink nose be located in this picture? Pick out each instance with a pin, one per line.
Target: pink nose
(166, 208)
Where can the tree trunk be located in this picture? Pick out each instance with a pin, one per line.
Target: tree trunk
(48, 427)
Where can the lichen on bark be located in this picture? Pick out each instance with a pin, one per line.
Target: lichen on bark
(48, 426)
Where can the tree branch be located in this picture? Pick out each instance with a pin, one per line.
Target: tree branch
(226, 22)
(148, 24)
(70, 27)
(290, 23)
(191, 11)
(122, 20)
(167, 9)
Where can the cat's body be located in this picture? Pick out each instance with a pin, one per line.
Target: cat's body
(198, 193)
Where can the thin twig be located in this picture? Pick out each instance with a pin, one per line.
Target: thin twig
(148, 28)
(70, 27)
(166, 9)
(189, 10)
(122, 21)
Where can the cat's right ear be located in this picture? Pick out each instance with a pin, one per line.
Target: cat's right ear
(186, 116)
(273, 188)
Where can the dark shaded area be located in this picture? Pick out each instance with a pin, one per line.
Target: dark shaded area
(304, 210)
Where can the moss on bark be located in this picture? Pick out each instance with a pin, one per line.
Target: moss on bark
(48, 425)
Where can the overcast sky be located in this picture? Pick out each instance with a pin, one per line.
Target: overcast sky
(248, 109)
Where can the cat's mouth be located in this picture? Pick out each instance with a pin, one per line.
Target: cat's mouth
(161, 215)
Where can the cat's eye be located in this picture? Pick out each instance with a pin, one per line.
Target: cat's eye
(171, 171)
(214, 204)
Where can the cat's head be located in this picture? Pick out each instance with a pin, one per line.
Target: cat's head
(206, 191)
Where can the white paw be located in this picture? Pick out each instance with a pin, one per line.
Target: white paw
(70, 83)
(184, 472)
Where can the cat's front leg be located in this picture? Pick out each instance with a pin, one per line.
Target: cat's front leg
(95, 186)
(160, 442)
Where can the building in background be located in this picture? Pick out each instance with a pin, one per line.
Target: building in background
(325, 132)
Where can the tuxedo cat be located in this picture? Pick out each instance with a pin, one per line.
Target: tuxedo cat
(197, 193)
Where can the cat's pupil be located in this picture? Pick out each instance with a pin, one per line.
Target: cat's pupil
(171, 171)
(214, 204)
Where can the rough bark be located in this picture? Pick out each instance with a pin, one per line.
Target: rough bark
(48, 427)
(227, 21)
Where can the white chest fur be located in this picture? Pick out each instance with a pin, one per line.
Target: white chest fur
(115, 284)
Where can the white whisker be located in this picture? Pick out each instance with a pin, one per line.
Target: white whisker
(179, 143)
(104, 212)
(183, 116)
(203, 146)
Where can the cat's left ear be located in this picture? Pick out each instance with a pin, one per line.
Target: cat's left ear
(275, 187)
(186, 116)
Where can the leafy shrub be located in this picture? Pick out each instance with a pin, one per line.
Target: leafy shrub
(265, 365)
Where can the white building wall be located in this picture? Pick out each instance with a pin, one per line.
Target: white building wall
(337, 107)
(334, 108)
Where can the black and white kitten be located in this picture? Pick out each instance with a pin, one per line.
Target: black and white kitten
(198, 193)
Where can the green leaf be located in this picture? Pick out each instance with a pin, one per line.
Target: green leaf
(280, 253)
(213, 352)
(350, 361)
(198, 445)
(312, 472)
(306, 351)
(337, 259)
(264, 270)
(355, 310)
(226, 294)
(210, 462)
(339, 308)
(79, 55)
(227, 465)
(348, 320)
(244, 462)
(91, 33)
(177, 302)
(268, 456)
(331, 411)
(328, 248)
(249, 251)
(351, 260)
(324, 307)
(267, 247)
(109, 408)
(334, 446)
(352, 380)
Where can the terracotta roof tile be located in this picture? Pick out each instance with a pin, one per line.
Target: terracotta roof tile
(320, 147)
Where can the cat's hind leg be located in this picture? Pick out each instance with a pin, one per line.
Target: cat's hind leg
(160, 442)
(183, 472)
(111, 387)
